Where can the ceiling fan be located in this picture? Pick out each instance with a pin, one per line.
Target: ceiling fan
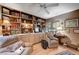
(45, 6)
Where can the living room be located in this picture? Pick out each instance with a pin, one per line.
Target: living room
(39, 28)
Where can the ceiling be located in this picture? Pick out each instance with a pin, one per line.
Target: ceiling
(35, 9)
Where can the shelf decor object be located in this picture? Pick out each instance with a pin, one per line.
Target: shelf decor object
(71, 23)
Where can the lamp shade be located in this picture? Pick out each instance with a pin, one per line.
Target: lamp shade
(6, 22)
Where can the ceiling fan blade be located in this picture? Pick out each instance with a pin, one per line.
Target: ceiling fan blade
(52, 4)
(46, 10)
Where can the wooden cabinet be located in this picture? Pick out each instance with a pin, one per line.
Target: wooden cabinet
(17, 22)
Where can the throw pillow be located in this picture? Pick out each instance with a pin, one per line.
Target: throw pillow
(19, 50)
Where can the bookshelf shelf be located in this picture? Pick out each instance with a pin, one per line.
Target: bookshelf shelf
(10, 16)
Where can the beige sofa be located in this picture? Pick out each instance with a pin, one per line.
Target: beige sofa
(31, 38)
(66, 41)
(12, 46)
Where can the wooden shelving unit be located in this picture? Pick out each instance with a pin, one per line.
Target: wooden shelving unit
(17, 22)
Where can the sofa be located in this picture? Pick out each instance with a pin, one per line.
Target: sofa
(26, 41)
(10, 45)
(66, 41)
(31, 39)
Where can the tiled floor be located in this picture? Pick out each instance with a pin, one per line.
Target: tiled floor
(38, 50)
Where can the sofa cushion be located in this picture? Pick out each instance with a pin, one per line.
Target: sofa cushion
(15, 45)
(11, 47)
(7, 40)
(2, 40)
(8, 53)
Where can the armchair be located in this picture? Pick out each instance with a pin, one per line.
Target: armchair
(52, 41)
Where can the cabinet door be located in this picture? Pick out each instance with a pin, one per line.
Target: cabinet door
(0, 30)
(0, 12)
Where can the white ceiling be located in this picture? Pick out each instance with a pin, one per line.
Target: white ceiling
(35, 9)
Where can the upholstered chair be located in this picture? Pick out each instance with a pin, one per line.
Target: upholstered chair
(52, 41)
(66, 40)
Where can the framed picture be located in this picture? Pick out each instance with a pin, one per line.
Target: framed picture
(76, 30)
(71, 23)
(6, 11)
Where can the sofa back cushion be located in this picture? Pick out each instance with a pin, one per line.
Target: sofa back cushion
(31, 37)
(2, 40)
(15, 46)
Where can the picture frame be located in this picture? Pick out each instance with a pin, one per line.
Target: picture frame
(5, 10)
(76, 30)
(73, 23)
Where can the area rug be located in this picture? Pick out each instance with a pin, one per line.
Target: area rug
(65, 53)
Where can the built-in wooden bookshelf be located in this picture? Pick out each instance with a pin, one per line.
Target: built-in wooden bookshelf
(17, 22)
